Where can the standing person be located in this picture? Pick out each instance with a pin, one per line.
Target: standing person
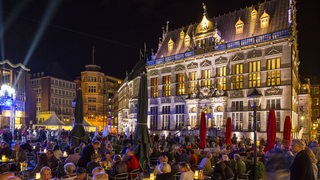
(301, 167)
(86, 153)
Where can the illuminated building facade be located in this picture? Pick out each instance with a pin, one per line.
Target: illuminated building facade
(213, 65)
(53, 95)
(15, 76)
(98, 90)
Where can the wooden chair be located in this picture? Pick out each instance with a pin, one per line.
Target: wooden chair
(134, 174)
(121, 176)
(177, 175)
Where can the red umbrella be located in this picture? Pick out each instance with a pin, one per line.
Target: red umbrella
(287, 131)
(203, 131)
(271, 130)
(228, 131)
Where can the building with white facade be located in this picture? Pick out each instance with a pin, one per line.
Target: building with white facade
(213, 65)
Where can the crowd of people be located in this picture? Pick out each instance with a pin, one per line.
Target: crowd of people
(171, 157)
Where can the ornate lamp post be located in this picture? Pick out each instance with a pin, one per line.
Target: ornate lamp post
(255, 97)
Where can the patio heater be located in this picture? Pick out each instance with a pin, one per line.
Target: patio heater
(255, 97)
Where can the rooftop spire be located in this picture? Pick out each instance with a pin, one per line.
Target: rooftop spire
(204, 9)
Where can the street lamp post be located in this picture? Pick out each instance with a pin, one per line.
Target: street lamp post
(255, 96)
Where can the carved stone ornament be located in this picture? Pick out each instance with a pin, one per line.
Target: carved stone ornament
(221, 60)
(154, 72)
(237, 94)
(166, 70)
(179, 99)
(192, 65)
(205, 63)
(179, 68)
(153, 101)
(165, 100)
(254, 53)
(273, 91)
(274, 50)
(237, 57)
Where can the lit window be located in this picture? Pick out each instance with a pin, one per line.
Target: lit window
(221, 80)
(181, 35)
(154, 87)
(180, 84)
(273, 74)
(237, 76)
(192, 82)
(205, 78)
(166, 85)
(254, 74)
(239, 26)
(264, 20)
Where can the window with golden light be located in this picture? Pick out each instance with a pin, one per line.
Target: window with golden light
(274, 73)
(254, 74)
(254, 14)
(180, 89)
(192, 82)
(181, 35)
(154, 87)
(205, 78)
(221, 80)
(166, 85)
(237, 76)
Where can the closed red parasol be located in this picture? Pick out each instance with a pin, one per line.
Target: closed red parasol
(228, 131)
(271, 130)
(203, 131)
(287, 131)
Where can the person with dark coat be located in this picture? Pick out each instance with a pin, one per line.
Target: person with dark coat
(301, 167)
(5, 150)
(95, 159)
(26, 146)
(118, 167)
(223, 169)
(86, 153)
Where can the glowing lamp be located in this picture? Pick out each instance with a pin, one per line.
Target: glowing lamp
(33, 147)
(65, 154)
(45, 150)
(196, 174)
(151, 176)
(4, 158)
(37, 175)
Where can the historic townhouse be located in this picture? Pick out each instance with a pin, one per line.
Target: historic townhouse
(213, 65)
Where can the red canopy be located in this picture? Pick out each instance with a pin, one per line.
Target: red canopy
(228, 131)
(271, 130)
(203, 131)
(287, 131)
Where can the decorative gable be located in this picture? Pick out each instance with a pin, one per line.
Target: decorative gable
(187, 41)
(254, 53)
(205, 63)
(154, 72)
(237, 57)
(179, 68)
(170, 45)
(254, 13)
(181, 34)
(221, 60)
(192, 65)
(274, 50)
(166, 70)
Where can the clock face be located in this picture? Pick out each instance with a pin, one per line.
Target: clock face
(219, 108)
(193, 110)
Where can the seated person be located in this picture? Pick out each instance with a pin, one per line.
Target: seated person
(45, 173)
(164, 172)
(52, 160)
(42, 162)
(206, 165)
(82, 174)
(97, 170)
(69, 169)
(223, 169)
(163, 160)
(100, 176)
(118, 167)
(95, 159)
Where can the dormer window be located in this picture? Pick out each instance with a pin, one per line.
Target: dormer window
(254, 14)
(181, 35)
(170, 45)
(264, 20)
(187, 41)
(239, 26)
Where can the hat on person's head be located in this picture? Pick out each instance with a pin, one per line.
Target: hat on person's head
(80, 170)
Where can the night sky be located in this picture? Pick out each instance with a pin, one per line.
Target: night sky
(116, 30)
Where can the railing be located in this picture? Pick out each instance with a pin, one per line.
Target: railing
(234, 44)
